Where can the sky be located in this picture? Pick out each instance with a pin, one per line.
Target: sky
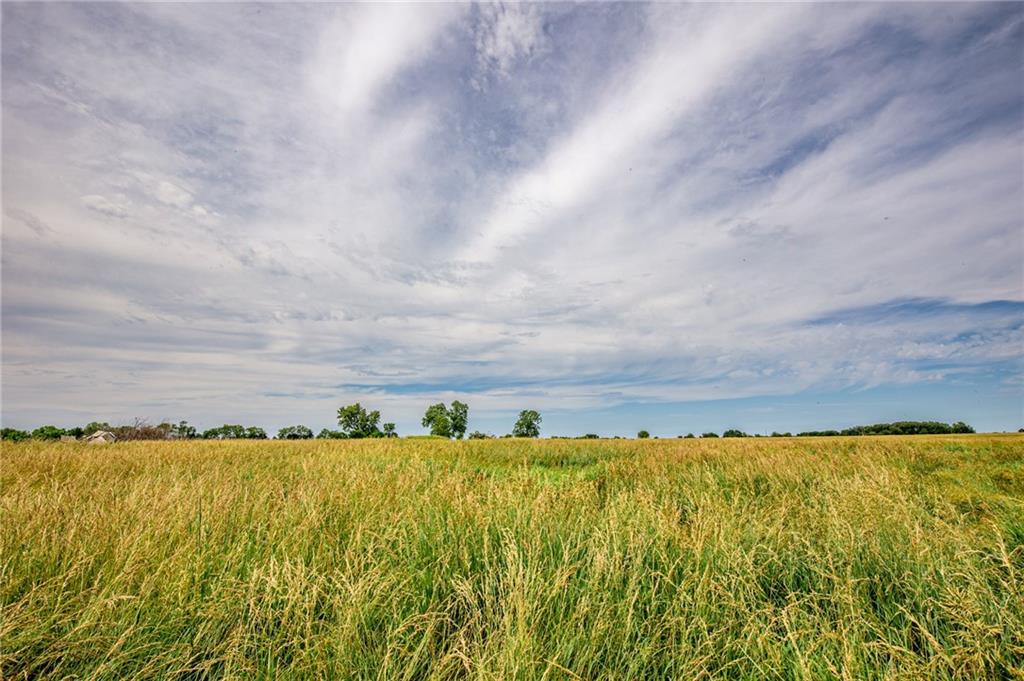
(672, 217)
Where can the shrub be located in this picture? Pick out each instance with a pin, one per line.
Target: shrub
(235, 432)
(643, 435)
(47, 433)
(14, 435)
(294, 433)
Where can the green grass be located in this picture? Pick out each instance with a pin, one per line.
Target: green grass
(847, 558)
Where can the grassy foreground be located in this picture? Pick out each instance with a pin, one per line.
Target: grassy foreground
(851, 558)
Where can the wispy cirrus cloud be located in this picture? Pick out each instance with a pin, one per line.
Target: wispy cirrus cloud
(258, 211)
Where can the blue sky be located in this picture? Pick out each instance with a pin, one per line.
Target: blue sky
(672, 217)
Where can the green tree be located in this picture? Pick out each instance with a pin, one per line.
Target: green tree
(710, 435)
(295, 433)
(458, 414)
(95, 426)
(356, 422)
(528, 424)
(438, 420)
(184, 431)
(388, 430)
(47, 433)
(327, 434)
(733, 432)
(643, 435)
(14, 435)
(234, 432)
(445, 421)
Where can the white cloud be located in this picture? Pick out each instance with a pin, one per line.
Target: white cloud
(690, 57)
(101, 204)
(315, 202)
(363, 48)
(173, 195)
(508, 32)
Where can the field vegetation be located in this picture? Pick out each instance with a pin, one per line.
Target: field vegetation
(849, 558)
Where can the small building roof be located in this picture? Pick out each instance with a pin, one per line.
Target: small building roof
(101, 436)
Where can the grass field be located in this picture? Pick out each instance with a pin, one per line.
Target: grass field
(849, 558)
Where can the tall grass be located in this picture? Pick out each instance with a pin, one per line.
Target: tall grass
(847, 558)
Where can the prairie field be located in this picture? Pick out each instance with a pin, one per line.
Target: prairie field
(753, 558)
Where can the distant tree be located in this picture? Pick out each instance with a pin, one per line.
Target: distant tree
(528, 424)
(896, 428)
(689, 436)
(709, 435)
(295, 433)
(458, 414)
(438, 420)
(589, 436)
(234, 432)
(14, 435)
(477, 435)
(47, 433)
(777, 434)
(733, 432)
(356, 422)
(95, 426)
(327, 434)
(141, 429)
(225, 432)
(184, 431)
(643, 435)
(75, 432)
(1021, 430)
(445, 421)
(388, 430)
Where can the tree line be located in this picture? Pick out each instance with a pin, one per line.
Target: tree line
(354, 422)
(444, 421)
(894, 428)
